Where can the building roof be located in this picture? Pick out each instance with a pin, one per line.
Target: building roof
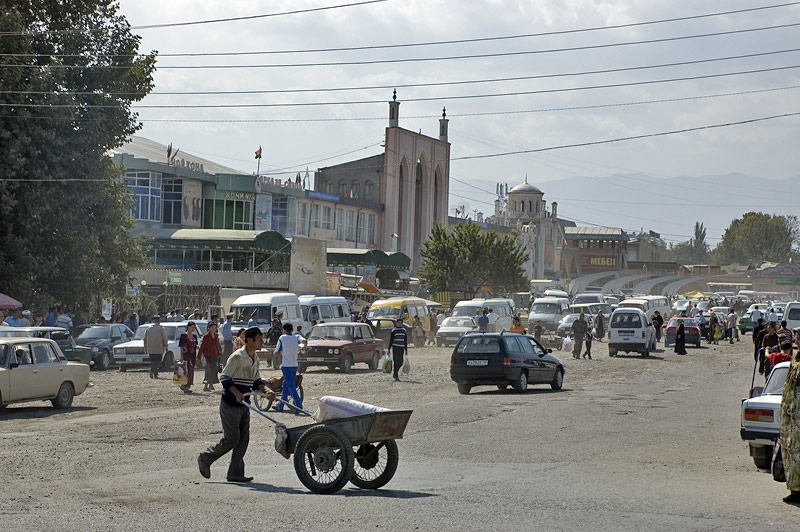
(611, 233)
(156, 152)
(525, 188)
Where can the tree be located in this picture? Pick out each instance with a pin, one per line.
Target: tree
(693, 251)
(757, 237)
(73, 72)
(466, 259)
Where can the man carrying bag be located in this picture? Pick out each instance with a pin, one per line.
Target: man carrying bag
(155, 345)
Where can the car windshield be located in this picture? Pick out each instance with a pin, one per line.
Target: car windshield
(242, 314)
(584, 299)
(544, 308)
(623, 320)
(776, 381)
(465, 310)
(93, 332)
(478, 344)
(326, 332)
(457, 322)
(384, 312)
(140, 332)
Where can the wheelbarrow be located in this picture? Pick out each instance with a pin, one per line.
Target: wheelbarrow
(264, 401)
(327, 455)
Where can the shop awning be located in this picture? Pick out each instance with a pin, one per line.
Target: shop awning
(265, 241)
(352, 257)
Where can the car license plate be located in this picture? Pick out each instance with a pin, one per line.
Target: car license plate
(626, 333)
(477, 362)
(452, 338)
(316, 359)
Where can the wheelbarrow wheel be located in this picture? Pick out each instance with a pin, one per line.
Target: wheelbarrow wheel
(265, 403)
(323, 459)
(375, 464)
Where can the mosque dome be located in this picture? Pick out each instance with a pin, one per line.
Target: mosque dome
(525, 188)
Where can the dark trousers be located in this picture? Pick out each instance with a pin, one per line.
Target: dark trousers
(191, 362)
(397, 355)
(155, 362)
(227, 349)
(235, 436)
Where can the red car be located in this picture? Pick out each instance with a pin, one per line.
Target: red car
(340, 345)
(689, 325)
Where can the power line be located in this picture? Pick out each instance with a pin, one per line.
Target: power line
(417, 59)
(410, 85)
(197, 22)
(420, 117)
(421, 99)
(429, 43)
(622, 139)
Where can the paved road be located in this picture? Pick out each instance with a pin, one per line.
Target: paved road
(629, 444)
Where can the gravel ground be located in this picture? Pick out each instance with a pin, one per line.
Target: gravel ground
(629, 444)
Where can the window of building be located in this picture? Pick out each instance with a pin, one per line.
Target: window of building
(330, 187)
(280, 214)
(371, 218)
(173, 198)
(350, 226)
(227, 214)
(361, 227)
(146, 190)
(301, 227)
(342, 187)
(326, 217)
(369, 190)
(339, 216)
(315, 216)
(355, 189)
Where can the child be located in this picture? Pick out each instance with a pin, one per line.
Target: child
(588, 352)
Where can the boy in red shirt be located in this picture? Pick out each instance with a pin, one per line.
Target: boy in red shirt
(784, 355)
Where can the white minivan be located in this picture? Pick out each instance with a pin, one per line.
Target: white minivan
(630, 331)
(322, 309)
(504, 308)
(792, 315)
(284, 306)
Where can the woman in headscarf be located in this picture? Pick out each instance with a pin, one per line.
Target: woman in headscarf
(680, 339)
(188, 346)
(209, 348)
(790, 428)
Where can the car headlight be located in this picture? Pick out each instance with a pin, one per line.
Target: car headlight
(330, 351)
(118, 351)
(335, 351)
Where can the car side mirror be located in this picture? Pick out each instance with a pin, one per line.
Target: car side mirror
(756, 391)
(549, 350)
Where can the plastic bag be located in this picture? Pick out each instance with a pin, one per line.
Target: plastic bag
(406, 365)
(567, 345)
(179, 376)
(331, 407)
(387, 364)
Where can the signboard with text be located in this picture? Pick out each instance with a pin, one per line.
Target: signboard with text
(598, 261)
(263, 212)
(192, 203)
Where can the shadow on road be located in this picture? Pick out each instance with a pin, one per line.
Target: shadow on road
(265, 488)
(39, 412)
(387, 494)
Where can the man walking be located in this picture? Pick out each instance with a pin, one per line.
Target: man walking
(579, 329)
(398, 339)
(658, 323)
(227, 338)
(155, 345)
(482, 321)
(730, 322)
(239, 377)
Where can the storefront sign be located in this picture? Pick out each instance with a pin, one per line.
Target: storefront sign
(174, 278)
(598, 261)
(191, 211)
(183, 163)
(313, 194)
(333, 284)
(263, 212)
(236, 195)
(264, 181)
(787, 282)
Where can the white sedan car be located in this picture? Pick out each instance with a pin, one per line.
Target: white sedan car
(453, 328)
(35, 369)
(760, 425)
(131, 354)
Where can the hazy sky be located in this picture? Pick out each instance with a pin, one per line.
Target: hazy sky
(500, 123)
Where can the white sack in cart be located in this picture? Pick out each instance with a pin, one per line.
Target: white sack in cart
(331, 407)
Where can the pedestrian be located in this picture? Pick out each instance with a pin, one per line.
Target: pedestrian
(588, 340)
(433, 326)
(658, 323)
(784, 333)
(758, 336)
(440, 317)
(578, 329)
(483, 321)
(38, 320)
(784, 355)
(790, 428)
(730, 322)
(227, 338)
(516, 326)
(50, 320)
(188, 345)
(209, 348)
(398, 339)
(63, 319)
(238, 342)
(538, 329)
(418, 330)
(132, 322)
(155, 345)
(274, 333)
(769, 342)
(772, 318)
(289, 346)
(253, 321)
(25, 320)
(14, 319)
(680, 339)
(493, 317)
(694, 310)
(755, 315)
(600, 326)
(240, 376)
(703, 324)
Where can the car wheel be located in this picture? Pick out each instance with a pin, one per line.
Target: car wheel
(521, 384)
(64, 397)
(103, 360)
(2, 406)
(168, 363)
(123, 369)
(763, 461)
(373, 363)
(612, 352)
(558, 380)
(464, 388)
(347, 363)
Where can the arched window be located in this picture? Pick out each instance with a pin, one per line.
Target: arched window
(330, 187)
(369, 190)
(355, 189)
(342, 187)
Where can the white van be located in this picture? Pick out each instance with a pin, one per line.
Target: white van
(284, 306)
(637, 303)
(660, 304)
(630, 330)
(548, 310)
(792, 315)
(504, 308)
(322, 309)
(556, 293)
(580, 299)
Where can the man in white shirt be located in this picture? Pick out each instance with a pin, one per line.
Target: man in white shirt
(440, 318)
(25, 321)
(493, 316)
(731, 321)
(694, 311)
(755, 315)
(772, 317)
(289, 346)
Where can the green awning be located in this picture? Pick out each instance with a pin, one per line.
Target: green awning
(351, 257)
(263, 241)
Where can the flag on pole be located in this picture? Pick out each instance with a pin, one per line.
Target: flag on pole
(305, 178)
(258, 152)
(297, 179)
(458, 212)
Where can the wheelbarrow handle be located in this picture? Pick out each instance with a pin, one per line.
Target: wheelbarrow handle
(256, 410)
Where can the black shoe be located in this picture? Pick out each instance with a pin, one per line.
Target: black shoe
(792, 498)
(240, 479)
(205, 469)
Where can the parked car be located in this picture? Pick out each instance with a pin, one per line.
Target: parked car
(453, 328)
(792, 315)
(60, 335)
(503, 359)
(35, 369)
(760, 424)
(101, 339)
(745, 323)
(566, 323)
(132, 354)
(548, 311)
(340, 345)
(630, 330)
(690, 327)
